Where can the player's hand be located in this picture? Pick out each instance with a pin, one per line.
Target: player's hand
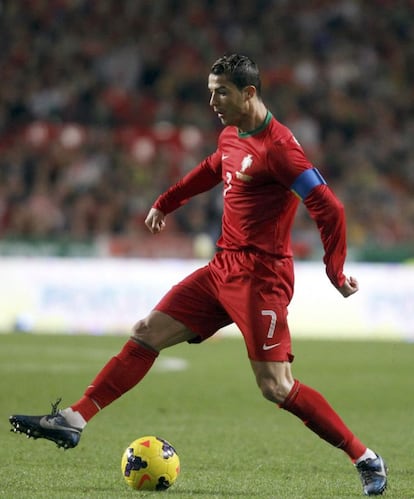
(349, 287)
(155, 220)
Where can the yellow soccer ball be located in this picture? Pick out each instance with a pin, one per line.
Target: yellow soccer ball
(150, 463)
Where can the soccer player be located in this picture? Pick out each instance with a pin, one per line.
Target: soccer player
(249, 281)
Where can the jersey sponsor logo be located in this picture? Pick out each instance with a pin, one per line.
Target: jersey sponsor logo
(269, 347)
(224, 156)
(246, 163)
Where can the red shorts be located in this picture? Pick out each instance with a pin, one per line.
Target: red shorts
(243, 287)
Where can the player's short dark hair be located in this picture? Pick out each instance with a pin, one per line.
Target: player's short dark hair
(240, 70)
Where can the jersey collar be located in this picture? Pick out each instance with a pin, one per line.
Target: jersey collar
(244, 135)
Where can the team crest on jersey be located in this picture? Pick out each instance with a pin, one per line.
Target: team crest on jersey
(246, 163)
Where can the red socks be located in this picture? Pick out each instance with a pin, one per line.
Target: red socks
(312, 408)
(119, 375)
(126, 369)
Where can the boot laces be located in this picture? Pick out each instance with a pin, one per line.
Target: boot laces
(55, 410)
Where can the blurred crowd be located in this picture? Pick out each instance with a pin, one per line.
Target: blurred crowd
(104, 103)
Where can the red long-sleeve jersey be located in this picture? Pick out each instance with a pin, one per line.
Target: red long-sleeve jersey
(263, 176)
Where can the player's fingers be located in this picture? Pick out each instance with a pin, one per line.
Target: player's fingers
(354, 283)
(149, 223)
(158, 226)
(155, 221)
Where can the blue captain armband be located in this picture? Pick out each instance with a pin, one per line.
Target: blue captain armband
(307, 180)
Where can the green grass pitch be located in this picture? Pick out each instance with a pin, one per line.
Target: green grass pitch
(231, 442)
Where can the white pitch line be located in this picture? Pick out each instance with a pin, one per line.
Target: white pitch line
(167, 364)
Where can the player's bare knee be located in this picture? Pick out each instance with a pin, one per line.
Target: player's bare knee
(274, 391)
(141, 331)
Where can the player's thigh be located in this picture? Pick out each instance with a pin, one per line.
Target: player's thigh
(256, 295)
(194, 302)
(159, 330)
(263, 323)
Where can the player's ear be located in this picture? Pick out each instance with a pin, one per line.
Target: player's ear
(249, 92)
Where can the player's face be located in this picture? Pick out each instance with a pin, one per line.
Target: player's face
(227, 100)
